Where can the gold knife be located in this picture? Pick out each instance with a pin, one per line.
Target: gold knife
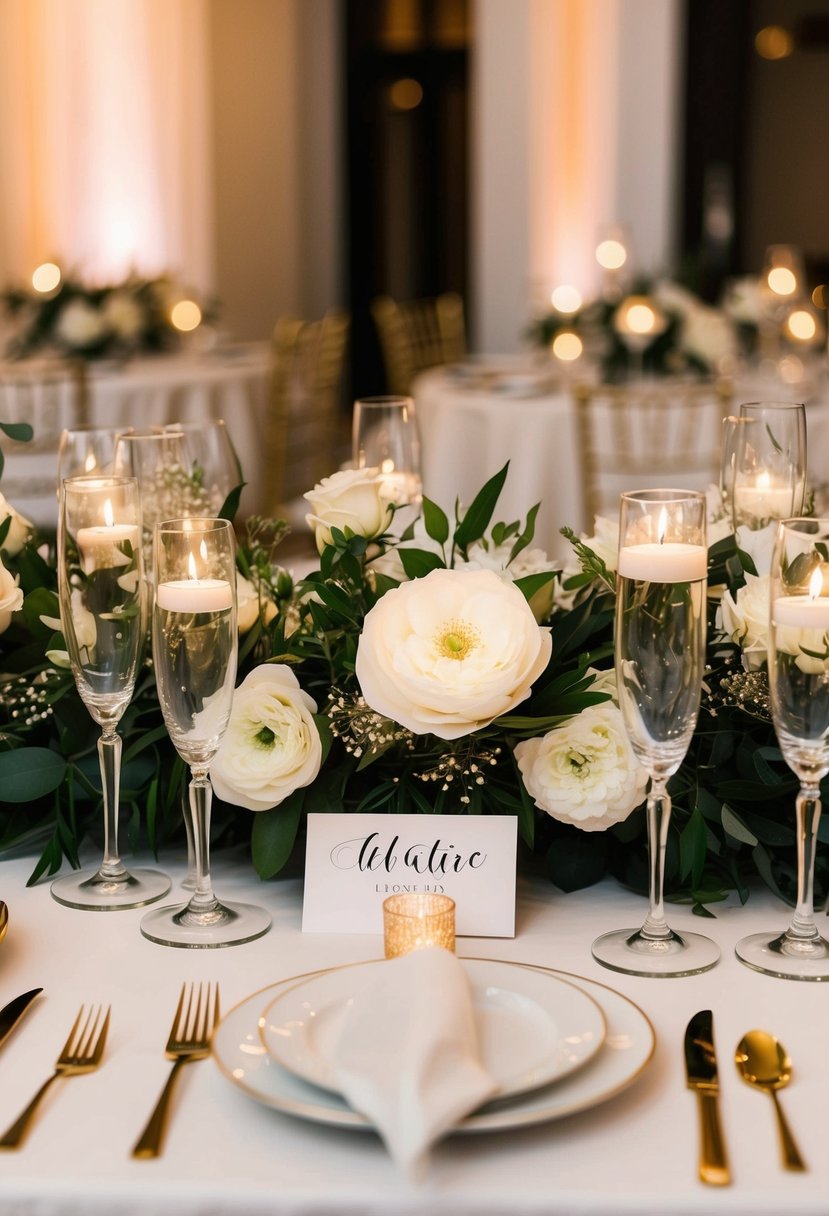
(702, 1076)
(11, 1014)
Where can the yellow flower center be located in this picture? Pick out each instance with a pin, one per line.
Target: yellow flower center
(456, 639)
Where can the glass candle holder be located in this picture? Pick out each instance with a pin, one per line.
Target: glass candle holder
(413, 921)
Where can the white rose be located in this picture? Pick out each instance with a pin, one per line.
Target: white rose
(353, 499)
(80, 325)
(448, 653)
(744, 618)
(124, 315)
(11, 597)
(251, 603)
(584, 772)
(19, 530)
(272, 746)
(604, 681)
(758, 544)
(708, 335)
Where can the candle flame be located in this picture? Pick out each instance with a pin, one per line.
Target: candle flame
(662, 527)
(387, 466)
(816, 583)
(109, 514)
(763, 480)
(191, 566)
(90, 463)
(203, 550)
(641, 318)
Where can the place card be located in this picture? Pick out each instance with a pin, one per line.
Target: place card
(354, 862)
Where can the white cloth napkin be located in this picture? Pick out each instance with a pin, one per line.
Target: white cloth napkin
(407, 1055)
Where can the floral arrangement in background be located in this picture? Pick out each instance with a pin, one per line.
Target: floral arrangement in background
(78, 320)
(662, 323)
(447, 666)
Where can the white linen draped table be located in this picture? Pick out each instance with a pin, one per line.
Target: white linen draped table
(469, 429)
(636, 1153)
(232, 383)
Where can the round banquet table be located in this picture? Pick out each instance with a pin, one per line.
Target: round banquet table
(232, 383)
(472, 418)
(225, 1154)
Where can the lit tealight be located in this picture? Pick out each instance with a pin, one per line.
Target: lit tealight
(186, 315)
(567, 346)
(801, 325)
(566, 298)
(782, 281)
(611, 254)
(46, 278)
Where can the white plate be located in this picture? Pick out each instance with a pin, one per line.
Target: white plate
(532, 1027)
(628, 1048)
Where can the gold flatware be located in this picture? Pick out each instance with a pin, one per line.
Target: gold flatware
(702, 1076)
(82, 1052)
(764, 1063)
(193, 1023)
(11, 1014)
(4, 920)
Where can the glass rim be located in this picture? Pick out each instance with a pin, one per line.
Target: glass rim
(770, 405)
(442, 904)
(666, 494)
(193, 523)
(102, 481)
(385, 399)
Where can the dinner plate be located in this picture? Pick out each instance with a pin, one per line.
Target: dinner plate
(628, 1048)
(533, 1027)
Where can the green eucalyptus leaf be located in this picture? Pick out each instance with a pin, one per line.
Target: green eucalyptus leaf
(274, 834)
(477, 517)
(435, 521)
(29, 773)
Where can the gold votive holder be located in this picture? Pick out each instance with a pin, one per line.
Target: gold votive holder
(413, 921)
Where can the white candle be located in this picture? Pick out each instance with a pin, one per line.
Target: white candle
(195, 595)
(802, 611)
(666, 563)
(400, 487)
(764, 499)
(102, 546)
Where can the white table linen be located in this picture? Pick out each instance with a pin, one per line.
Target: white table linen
(468, 430)
(225, 1154)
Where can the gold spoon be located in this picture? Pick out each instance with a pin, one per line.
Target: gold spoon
(4, 920)
(764, 1063)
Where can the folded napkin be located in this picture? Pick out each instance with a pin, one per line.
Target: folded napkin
(407, 1055)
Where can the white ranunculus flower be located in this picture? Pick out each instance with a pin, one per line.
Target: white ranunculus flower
(11, 597)
(248, 598)
(584, 772)
(448, 653)
(351, 498)
(124, 315)
(604, 681)
(744, 618)
(80, 325)
(708, 335)
(272, 746)
(19, 530)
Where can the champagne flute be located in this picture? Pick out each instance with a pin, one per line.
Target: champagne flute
(212, 458)
(660, 656)
(385, 436)
(101, 588)
(87, 451)
(769, 481)
(798, 662)
(195, 651)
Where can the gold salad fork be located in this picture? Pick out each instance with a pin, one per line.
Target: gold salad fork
(82, 1052)
(195, 1017)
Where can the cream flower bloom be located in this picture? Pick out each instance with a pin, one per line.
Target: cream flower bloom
(20, 528)
(249, 606)
(272, 746)
(353, 499)
(80, 325)
(584, 772)
(744, 618)
(448, 653)
(11, 597)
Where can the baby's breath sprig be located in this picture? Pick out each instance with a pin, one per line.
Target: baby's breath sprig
(26, 702)
(464, 767)
(364, 733)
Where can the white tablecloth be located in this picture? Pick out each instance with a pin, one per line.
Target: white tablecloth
(468, 432)
(232, 383)
(227, 1155)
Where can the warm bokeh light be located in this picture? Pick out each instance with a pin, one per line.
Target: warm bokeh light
(773, 42)
(46, 278)
(566, 298)
(612, 255)
(820, 296)
(640, 318)
(782, 281)
(567, 346)
(801, 325)
(405, 94)
(186, 315)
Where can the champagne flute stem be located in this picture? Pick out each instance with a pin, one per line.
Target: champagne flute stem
(201, 801)
(808, 809)
(109, 756)
(659, 814)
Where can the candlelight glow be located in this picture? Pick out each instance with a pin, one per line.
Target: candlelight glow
(191, 565)
(387, 465)
(640, 318)
(566, 298)
(91, 463)
(802, 325)
(816, 583)
(567, 346)
(662, 527)
(782, 281)
(109, 514)
(186, 315)
(46, 277)
(611, 255)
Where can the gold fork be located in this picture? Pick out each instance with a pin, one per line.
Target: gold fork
(82, 1052)
(195, 1017)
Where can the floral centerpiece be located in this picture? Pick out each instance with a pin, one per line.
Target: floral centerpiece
(444, 667)
(77, 320)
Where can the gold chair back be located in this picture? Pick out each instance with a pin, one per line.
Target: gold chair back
(648, 435)
(417, 335)
(307, 434)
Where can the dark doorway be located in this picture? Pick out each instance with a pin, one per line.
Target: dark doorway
(406, 73)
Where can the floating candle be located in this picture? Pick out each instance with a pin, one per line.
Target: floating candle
(671, 562)
(764, 498)
(195, 595)
(102, 546)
